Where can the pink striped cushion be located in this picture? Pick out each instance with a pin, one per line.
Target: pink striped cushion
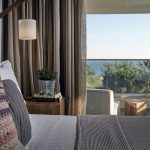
(8, 132)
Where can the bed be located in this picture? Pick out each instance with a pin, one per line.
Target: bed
(52, 132)
(101, 132)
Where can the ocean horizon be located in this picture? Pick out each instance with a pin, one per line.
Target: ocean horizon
(98, 64)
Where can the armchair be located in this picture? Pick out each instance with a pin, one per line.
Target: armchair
(101, 101)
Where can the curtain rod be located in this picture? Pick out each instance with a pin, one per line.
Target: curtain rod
(11, 7)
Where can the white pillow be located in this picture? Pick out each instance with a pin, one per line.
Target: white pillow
(6, 72)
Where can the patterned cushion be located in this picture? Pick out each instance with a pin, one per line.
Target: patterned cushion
(8, 132)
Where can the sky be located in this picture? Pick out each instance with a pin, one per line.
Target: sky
(118, 36)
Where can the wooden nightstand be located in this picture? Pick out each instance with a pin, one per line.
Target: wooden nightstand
(135, 107)
(48, 108)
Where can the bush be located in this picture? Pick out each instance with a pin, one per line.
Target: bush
(119, 75)
(93, 80)
(144, 76)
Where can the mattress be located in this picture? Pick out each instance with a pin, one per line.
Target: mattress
(52, 132)
(97, 132)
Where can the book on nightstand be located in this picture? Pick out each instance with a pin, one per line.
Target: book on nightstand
(47, 98)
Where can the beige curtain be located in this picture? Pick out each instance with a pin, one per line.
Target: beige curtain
(29, 56)
(60, 46)
(73, 55)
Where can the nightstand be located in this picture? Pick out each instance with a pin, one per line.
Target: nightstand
(48, 108)
(135, 107)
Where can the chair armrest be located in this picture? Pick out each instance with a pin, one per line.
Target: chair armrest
(116, 106)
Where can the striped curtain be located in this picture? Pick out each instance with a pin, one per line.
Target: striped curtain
(73, 55)
(28, 56)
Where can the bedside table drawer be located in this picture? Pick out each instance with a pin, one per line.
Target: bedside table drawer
(49, 108)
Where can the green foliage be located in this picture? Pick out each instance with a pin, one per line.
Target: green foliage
(119, 75)
(110, 70)
(93, 80)
(147, 63)
(90, 71)
(126, 71)
(143, 80)
(44, 74)
(110, 75)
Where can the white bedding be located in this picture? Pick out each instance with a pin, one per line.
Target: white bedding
(52, 132)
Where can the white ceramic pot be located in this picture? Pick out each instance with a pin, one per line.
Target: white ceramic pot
(47, 86)
(52, 87)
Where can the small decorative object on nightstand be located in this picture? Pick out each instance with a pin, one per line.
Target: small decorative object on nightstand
(47, 106)
(47, 81)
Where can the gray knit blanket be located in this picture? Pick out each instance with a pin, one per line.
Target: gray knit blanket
(113, 133)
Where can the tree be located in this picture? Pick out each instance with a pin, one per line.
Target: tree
(147, 63)
(144, 76)
(93, 80)
(89, 70)
(109, 72)
(119, 75)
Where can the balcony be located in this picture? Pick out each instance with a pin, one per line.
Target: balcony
(128, 79)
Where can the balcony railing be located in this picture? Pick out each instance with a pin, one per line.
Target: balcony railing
(121, 76)
(129, 79)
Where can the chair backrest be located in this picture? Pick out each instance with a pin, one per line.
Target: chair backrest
(100, 101)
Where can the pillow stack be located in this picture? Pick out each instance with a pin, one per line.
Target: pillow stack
(16, 104)
(8, 133)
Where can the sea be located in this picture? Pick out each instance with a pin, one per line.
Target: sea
(98, 64)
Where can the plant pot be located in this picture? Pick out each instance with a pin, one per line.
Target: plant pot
(52, 87)
(47, 87)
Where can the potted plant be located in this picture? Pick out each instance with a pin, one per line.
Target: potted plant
(47, 81)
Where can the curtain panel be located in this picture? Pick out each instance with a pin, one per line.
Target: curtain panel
(60, 46)
(29, 56)
(73, 55)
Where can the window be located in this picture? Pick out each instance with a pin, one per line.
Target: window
(118, 36)
(118, 50)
